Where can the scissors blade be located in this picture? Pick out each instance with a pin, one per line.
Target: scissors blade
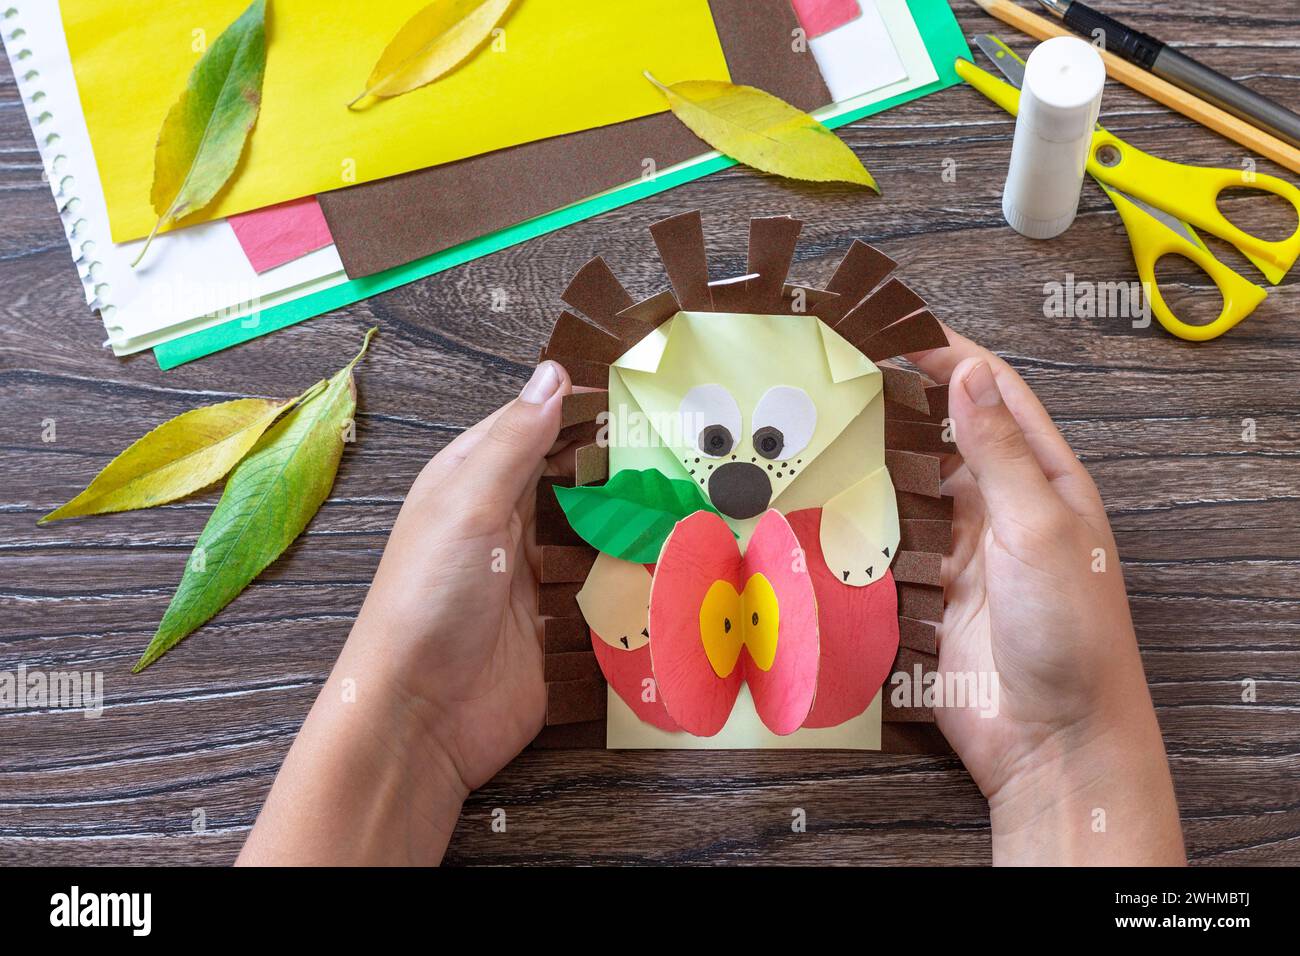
(1171, 222)
(1004, 58)
(1013, 68)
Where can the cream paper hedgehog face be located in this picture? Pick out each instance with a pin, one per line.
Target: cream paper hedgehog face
(745, 406)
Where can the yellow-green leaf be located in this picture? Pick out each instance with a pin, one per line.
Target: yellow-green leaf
(763, 131)
(177, 458)
(204, 132)
(267, 502)
(433, 42)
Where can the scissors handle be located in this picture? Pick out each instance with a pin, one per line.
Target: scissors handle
(1189, 192)
(1003, 94)
(1151, 241)
(1192, 192)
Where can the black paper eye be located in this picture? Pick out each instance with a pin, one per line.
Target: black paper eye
(784, 421)
(716, 441)
(709, 420)
(769, 441)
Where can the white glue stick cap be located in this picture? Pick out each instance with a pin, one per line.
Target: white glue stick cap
(1059, 103)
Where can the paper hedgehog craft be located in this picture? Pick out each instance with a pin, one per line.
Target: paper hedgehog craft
(751, 545)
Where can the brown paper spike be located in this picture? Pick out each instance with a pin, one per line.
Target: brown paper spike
(918, 635)
(814, 301)
(922, 506)
(563, 634)
(575, 701)
(898, 738)
(596, 292)
(905, 387)
(892, 715)
(575, 337)
(916, 333)
(564, 565)
(914, 472)
(771, 251)
(680, 241)
(734, 294)
(901, 413)
(892, 301)
(920, 601)
(917, 567)
(862, 269)
(578, 407)
(937, 397)
(558, 600)
(591, 464)
(552, 525)
(590, 735)
(582, 373)
(570, 665)
(654, 311)
(917, 436)
(921, 534)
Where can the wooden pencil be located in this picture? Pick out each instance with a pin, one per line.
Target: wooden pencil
(1136, 78)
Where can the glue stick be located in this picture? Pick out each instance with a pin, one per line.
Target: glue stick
(1059, 103)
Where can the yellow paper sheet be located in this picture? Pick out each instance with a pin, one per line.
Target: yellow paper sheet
(567, 65)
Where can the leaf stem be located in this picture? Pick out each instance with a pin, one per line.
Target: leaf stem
(156, 226)
(370, 334)
(650, 76)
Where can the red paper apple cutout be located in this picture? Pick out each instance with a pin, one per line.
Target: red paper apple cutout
(718, 618)
(630, 674)
(858, 627)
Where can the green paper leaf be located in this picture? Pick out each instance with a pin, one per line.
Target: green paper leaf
(763, 131)
(632, 514)
(204, 132)
(267, 502)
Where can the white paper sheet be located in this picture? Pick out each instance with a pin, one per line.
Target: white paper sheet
(192, 278)
(859, 56)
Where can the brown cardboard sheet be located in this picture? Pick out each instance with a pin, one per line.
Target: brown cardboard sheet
(392, 221)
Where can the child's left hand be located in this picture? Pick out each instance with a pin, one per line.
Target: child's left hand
(440, 683)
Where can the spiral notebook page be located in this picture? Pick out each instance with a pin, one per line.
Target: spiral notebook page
(191, 279)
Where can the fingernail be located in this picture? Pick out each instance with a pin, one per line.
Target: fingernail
(544, 383)
(982, 387)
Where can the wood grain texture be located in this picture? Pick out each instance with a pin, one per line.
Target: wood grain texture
(1207, 523)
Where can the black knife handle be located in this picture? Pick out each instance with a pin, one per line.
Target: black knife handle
(1121, 40)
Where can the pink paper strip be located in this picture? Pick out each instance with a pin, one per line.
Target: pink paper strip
(278, 234)
(823, 16)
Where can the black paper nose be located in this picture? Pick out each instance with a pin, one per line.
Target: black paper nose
(740, 490)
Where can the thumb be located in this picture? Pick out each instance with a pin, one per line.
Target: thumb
(1011, 482)
(505, 461)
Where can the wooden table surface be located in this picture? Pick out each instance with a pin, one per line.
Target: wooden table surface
(1206, 519)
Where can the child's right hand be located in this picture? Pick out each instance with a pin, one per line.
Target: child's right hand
(1072, 763)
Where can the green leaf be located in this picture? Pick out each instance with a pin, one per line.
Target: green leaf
(267, 502)
(632, 514)
(204, 132)
(437, 39)
(763, 131)
(178, 458)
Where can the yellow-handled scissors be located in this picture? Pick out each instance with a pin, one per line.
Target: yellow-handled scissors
(1159, 201)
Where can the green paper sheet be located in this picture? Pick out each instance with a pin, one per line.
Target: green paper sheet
(944, 43)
